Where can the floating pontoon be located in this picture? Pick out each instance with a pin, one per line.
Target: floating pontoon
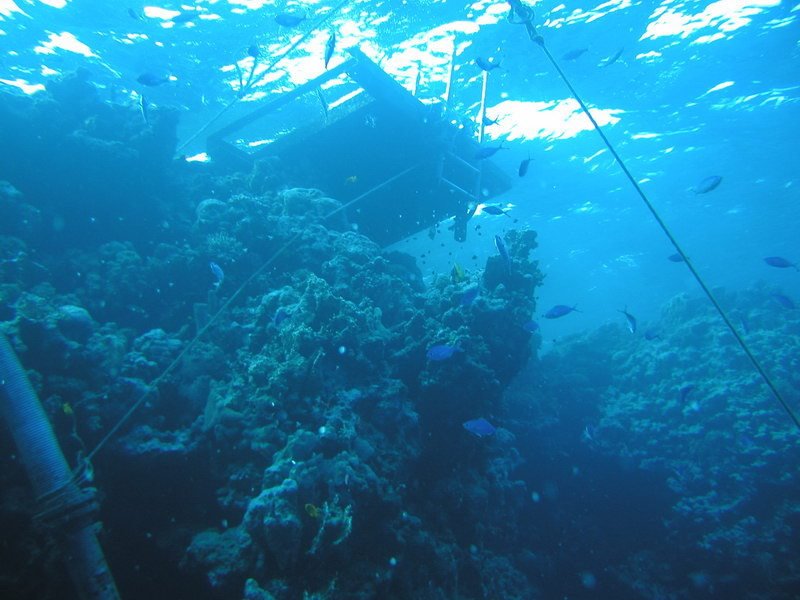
(356, 131)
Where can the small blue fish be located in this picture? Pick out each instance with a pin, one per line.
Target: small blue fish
(490, 209)
(330, 46)
(219, 274)
(685, 390)
(468, 297)
(487, 65)
(708, 184)
(652, 334)
(483, 153)
(280, 316)
(487, 121)
(745, 442)
(559, 310)
(151, 79)
(441, 352)
(611, 59)
(676, 258)
(523, 167)
(289, 20)
(531, 326)
(480, 427)
(780, 262)
(254, 51)
(630, 318)
(574, 54)
(784, 301)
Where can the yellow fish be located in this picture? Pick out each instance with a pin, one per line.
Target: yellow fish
(351, 180)
(457, 273)
(313, 511)
(67, 408)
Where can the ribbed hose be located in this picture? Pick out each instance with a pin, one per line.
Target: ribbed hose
(67, 504)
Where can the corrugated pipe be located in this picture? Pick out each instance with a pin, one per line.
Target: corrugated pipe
(65, 503)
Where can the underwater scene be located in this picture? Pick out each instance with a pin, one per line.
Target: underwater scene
(400, 299)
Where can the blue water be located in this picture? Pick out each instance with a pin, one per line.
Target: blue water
(305, 446)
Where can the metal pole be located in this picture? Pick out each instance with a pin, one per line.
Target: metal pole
(482, 111)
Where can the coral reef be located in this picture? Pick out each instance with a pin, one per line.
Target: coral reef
(305, 446)
(688, 406)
